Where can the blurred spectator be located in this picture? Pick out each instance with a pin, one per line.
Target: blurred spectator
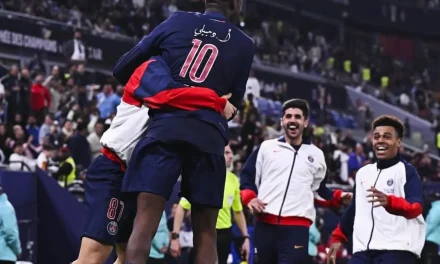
(44, 160)
(253, 86)
(356, 160)
(10, 248)
(18, 161)
(66, 173)
(432, 243)
(16, 95)
(79, 146)
(75, 50)
(45, 128)
(36, 65)
(340, 156)
(94, 140)
(40, 98)
(107, 101)
(33, 130)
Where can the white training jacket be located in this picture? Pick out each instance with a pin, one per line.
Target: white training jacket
(127, 128)
(286, 179)
(400, 226)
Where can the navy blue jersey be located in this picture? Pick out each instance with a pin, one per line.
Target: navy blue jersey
(203, 50)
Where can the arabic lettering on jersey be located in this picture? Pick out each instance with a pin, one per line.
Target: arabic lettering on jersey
(203, 33)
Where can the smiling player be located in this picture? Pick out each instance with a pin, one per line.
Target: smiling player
(385, 215)
(278, 184)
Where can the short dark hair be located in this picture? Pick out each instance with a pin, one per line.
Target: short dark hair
(392, 121)
(297, 103)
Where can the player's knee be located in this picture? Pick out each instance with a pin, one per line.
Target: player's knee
(120, 252)
(93, 252)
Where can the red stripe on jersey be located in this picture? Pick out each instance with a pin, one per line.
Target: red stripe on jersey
(187, 98)
(284, 220)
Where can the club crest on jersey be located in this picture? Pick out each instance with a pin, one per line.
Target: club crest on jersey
(112, 228)
(390, 182)
(310, 158)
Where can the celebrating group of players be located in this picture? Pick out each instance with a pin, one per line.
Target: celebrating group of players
(182, 84)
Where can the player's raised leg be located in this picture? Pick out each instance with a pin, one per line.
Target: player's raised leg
(105, 207)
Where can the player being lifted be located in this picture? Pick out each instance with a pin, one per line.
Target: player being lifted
(206, 50)
(109, 217)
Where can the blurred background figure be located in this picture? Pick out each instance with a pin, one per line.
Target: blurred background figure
(10, 248)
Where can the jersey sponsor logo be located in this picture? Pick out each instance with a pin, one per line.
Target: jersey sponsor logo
(112, 228)
(390, 182)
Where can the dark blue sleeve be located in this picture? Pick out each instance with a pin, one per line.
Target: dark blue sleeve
(324, 191)
(347, 219)
(248, 174)
(413, 186)
(146, 48)
(239, 88)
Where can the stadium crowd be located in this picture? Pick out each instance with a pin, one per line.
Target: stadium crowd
(55, 120)
(378, 68)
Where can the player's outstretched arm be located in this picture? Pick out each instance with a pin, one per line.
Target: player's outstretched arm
(332, 199)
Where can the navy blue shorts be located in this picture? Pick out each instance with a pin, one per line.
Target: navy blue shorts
(109, 213)
(383, 256)
(155, 167)
(282, 244)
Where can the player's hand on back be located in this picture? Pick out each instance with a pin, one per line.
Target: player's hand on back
(332, 252)
(229, 110)
(256, 206)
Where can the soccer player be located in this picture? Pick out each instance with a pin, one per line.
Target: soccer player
(278, 183)
(108, 212)
(385, 215)
(209, 51)
(231, 201)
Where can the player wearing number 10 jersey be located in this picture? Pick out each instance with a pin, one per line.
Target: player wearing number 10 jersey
(204, 50)
(109, 214)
